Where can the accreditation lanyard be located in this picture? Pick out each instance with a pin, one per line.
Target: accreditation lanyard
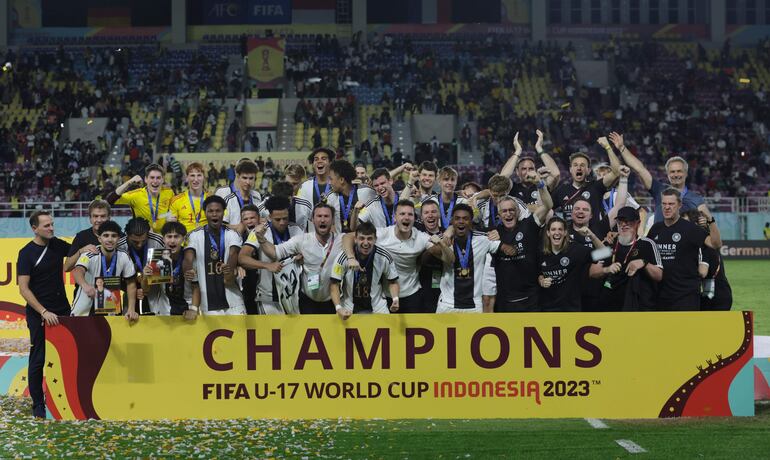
(192, 205)
(329, 247)
(109, 271)
(345, 207)
(617, 245)
(218, 250)
(318, 190)
(153, 212)
(445, 218)
(389, 217)
(464, 256)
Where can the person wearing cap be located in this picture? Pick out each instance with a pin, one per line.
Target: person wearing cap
(581, 186)
(631, 273)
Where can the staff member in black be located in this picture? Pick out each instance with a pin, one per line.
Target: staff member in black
(40, 266)
(679, 243)
(630, 276)
(516, 273)
(562, 269)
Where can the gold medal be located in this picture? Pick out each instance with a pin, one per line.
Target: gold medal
(464, 272)
(214, 254)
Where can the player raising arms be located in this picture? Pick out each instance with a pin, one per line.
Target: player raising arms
(150, 202)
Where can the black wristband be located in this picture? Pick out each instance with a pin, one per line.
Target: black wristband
(711, 221)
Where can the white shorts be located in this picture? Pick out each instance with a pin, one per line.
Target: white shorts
(444, 308)
(271, 308)
(489, 285)
(379, 310)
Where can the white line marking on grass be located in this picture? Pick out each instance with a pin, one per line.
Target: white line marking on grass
(630, 446)
(596, 423)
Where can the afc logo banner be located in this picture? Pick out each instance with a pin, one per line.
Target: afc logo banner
(247, 12)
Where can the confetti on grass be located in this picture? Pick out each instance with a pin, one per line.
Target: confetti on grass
(14, 346)
(25, 437)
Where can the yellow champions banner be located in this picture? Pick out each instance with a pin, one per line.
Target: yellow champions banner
(265, 60)
(612, 365)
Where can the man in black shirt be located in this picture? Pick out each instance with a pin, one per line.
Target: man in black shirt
(516, 273)
(524, 167)
(630, 276)
(679, 243)
(40, 265)
(580, 187)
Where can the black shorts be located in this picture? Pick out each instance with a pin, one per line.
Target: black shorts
(308, 306)
(689, 302)
(524, 304)
(412, 304)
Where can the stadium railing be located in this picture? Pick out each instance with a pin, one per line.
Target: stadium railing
(56, 208)
(80, 208)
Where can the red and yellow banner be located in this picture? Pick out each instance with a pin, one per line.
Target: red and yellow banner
(265, 60)
(611, 365)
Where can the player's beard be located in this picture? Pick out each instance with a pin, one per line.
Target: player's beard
(625, 240)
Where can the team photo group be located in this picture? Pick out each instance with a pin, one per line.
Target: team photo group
(345, 242)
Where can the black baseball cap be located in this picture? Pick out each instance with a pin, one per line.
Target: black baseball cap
(628, 214)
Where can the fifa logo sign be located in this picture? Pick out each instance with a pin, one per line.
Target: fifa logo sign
(267, 10)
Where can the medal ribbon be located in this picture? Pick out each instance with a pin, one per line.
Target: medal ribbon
(220, 254)
(345, 208)
(493, 220)
(389, 217)
(192, 205)
(318, 191)
(445, 218)
(277, 237)
(111, 270)
(365, 266)
(153, 212)
(139, 261)
(463, 257)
